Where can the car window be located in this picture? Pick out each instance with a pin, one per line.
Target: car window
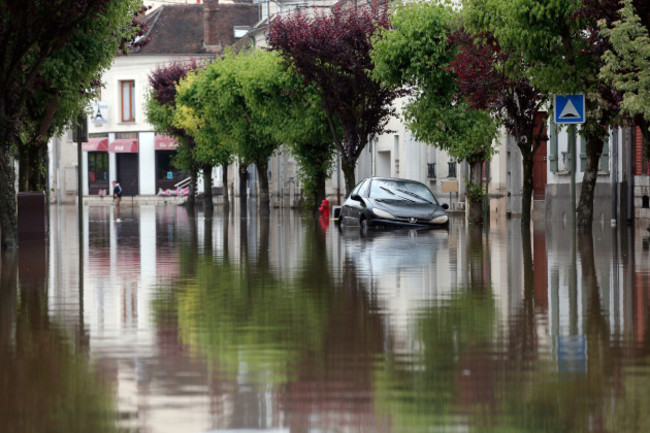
(363, 190)
(416, 189)
(358, 187)
(390, 189)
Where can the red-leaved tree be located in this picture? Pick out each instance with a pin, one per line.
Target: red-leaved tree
(479, 66)
(331, 52)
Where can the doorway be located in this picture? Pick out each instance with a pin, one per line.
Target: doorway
(127, 173)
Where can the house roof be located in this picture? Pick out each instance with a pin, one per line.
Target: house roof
(180, 29)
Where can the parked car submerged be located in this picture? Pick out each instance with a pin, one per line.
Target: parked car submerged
(386, 202)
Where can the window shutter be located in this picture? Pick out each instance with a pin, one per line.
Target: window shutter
(604, 157)
(583, 153)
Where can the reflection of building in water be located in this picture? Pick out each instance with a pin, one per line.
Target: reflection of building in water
(589, 288)
(377, 293)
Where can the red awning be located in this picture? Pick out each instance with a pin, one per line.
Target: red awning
(124, 145)
(163, 142)
(95, 145)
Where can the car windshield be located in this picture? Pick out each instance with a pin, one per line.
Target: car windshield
(389, 189)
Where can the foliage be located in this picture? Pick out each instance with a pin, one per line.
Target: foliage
(331, 52)
(161, 110)
(561, 47)
(475, 193)
(428, 394)
(233, 101)
(161, 113)
(41, 41)
(190, 117)
(627, 63)
(305, 129)
(417, 52)
(250, 103)
(479, 66)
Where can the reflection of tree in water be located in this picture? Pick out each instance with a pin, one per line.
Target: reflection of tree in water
(629, 412)
(335, 383)
(451, 370)
(542, 400)
(47, 382)
(305, 336)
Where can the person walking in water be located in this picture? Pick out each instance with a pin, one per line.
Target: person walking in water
(117, 198)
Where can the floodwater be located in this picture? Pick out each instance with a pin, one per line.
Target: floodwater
(240, 323)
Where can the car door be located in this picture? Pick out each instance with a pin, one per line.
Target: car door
(352, 208)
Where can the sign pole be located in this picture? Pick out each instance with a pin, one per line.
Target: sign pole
(570, 109)
(80, 135)
(572, 150)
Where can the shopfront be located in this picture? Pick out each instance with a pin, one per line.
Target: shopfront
(98, 182)
(167, 176)
(126, 161)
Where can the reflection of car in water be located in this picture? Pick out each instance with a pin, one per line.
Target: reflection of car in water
(386, 251)
(390, 202)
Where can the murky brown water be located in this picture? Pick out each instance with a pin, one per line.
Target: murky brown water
(281, 324)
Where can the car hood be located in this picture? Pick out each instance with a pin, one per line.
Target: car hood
(407, 209)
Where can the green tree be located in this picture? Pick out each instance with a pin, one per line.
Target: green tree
(249, 103)
(561, 46)
(67, 81)
(416, 52)
(40, 42)
(300, 122)
(161, 112)
(627, 65)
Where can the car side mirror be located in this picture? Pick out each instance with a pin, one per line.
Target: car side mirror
(356, 197)
(444, 206)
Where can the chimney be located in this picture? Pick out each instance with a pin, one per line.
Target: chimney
(210, 35)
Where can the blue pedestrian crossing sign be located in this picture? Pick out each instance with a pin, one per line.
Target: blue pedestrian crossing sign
(569, 108)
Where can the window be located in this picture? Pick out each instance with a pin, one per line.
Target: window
(431, 170)
(127, 101)
(452, 169)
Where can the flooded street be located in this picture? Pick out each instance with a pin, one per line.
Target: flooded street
(168, 323)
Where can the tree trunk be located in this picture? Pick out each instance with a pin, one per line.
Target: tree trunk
(263, 179)
(38, 160)
(475, 201)
(8, 223)
(224, 182)
(208, 204)
(348, 166)
(585, 210)
(24, 168)
(527, 192)
(476, 258)
(319, 192)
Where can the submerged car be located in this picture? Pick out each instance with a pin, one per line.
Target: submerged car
(390, 202)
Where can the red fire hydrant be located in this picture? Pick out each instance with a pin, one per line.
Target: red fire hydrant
(324, 209)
